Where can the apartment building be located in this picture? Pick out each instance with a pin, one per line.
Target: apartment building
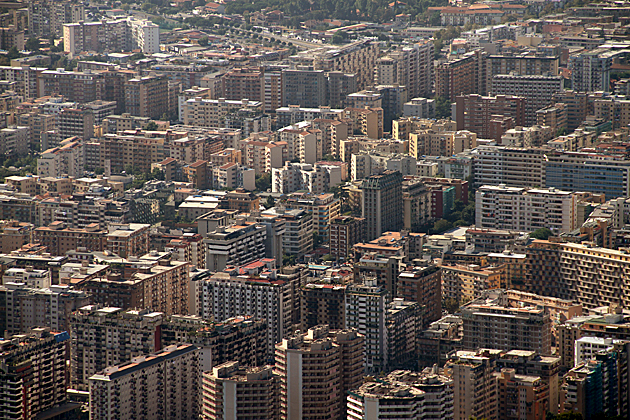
(213, 112)
(521, 395)
(14, 234)
(315, 88)
(323, 304)
(15, 140)
(467, 282)
(433, 142)
(59, 239)
(298, 230)
(323, 207)
(235, 245)
(554, 116)
(302, 144)
(240, 83)
(404, 394)
(223, 296)
(522, 64)
(294, 114)
(345, 231)
(381, 202)
(474, 385)
(126, 240)
(511, 166)
(485, 115)
(614, 109)
(410, 66)
(534, 136)
(47, 17)
(358, 58)
(262, 156)
(34, 373)
(255, 390)
(594, 173)
(157, 385)
(111, 36)
(26, 306)
(74, 86)
(317, 178)
(422, 284)
(590, 70)
(419, 108)
(538, 91)
(600, 384)
(461, 76)
(316, 370)
(367, 121)
(491, 325)
(521, 209)
(147, 96)
(65, 160)
(160, 285)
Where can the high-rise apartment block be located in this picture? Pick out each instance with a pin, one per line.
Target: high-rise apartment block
(46, 17)
(74, 86)
(519, 167)
(33, 373)
(358, 57)
(223, 296)
(164, 384)
(381, 203)
(423, 285)
(65, 160)
(345, 231)
(486, 115)
(236, 244)
(474, 385)
(213, 112)
(511, 208)
(462, 76)
(147, 96)
(28, 307)
(316, 370)
(404, 394)
(493, 325)
(111, 36)
(538, 91)
(232, 390)
(410, 66)
(590, 70)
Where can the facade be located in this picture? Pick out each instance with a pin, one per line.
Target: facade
(15, 140)
(590, 70)
(323, 304)
(404, 394)
(66, 160)
(316, 179)
(59, 239)
(520, 209)
(147, 96)
(522, 395)
(126, 240)
(496, 326)
(538, 91)
(323, 207)
(224, 296)
(474, 386)
(381, 202)
(357, 58)
(479, 114)
(33, 373)
(345, 231)
(77, 122)
(236, 244)
(161, 385)
(298, 230)
(423, 285)
(511, 166)
(316, 369)
(214, 112)
(239, 392)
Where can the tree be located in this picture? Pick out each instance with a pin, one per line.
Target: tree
(13, 53)
(442, 107)
(450, 305)
(270, 202)
(158, 174)
(203, 41)
(99, 171)
(32, 44)
(440, 226)
(151, 126)
(542, 233)
(263, 182)
(337, 38)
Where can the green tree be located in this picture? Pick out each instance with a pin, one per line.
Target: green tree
(151, 126)
(13, 53)
(440, 226)
(450, 305)
(542, 233)
(203, 41)
(442, 107)
(337, 38)
(270, 202)
(32, 44)
(263, 182)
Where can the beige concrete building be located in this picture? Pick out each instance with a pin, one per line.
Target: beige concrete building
(231, 392)
(316, 370)
(155, 386)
